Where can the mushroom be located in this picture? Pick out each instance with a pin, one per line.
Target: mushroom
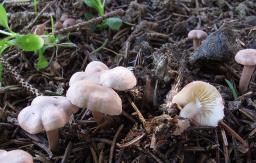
(47, 113)
(69, 22)
(201, 103)
(39, 29)
(99, 99)
(92, 73)
(197, 36)
(118, 78)
(246, 57)
(15, 156)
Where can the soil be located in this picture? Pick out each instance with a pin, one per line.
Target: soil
(153, 42)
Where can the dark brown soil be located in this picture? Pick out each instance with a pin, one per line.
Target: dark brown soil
(152, 40)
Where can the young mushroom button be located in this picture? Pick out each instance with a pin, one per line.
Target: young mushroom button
(99, 99)
(92, 73)
(202, 103)
(15, 156)
(197, 36)
(46, 113)
(246, 57)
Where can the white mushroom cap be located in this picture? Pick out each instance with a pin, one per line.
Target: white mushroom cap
(95, 66)
(246, 57)
(86, 94)
(46, 113)
(15, 156)
(201, 102)
(118, 78)
(92, 73)
(78, 76)
(197, 34)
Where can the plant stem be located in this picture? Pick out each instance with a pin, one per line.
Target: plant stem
(53, 139)
(7, 33)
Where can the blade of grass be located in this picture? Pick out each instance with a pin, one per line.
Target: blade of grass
(232, 88)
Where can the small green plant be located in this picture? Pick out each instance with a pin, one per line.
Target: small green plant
(232, 88)
(28, 42)
(98, 5)
(113, 23)
(35, 5)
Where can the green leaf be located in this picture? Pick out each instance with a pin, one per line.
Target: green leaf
(114, 23)
(232, 88)
(3, 18)
(42, 62)
(96, 4)
(29, 42)
(3, 45)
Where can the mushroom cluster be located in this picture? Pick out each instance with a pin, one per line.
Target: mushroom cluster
(47, 113)
(93, 89)
(202, 103)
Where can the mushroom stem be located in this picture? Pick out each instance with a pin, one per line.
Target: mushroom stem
(98, 116)
(245, 78)
(196, 43)
(53, 139)
(234, 134)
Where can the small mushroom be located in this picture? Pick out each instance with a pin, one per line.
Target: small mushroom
(47, 113)
(118, 78)
(99, 99)
(69, 22)
(197, 36)
(15, 156)
(246, 57)
(39, 29)
(58, 25)
(64, 17)
(92, 73)
(202, 103)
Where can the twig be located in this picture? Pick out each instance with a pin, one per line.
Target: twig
(141, 118)
(90, 22)
(39, 14)
(235, 135)
(101, 156)
(126, 115)
(29, 14)
(99, 48)
(114, 143)
(67, 153)
(94, 156)
(46, 149)
(22, 81)
(225, 145)
(125, 145)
